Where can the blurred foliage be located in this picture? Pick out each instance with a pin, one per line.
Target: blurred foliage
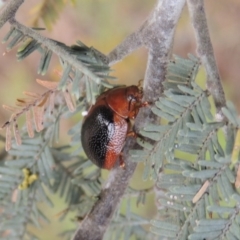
(48, 11)
(196, 168)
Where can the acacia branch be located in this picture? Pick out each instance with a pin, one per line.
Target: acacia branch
(55, 48)
(9, 10)
(157, 34)
(205, 52)
(127, 46)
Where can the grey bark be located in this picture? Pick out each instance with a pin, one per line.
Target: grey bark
(205, 52)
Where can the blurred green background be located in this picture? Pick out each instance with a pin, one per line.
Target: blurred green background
(104, 24)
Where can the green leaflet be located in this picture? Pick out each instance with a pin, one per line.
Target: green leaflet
(219, 209)
(10, 171)
(152, 135)
(194, 126)
(76, 83)
(229, 140)
(200, 174)
(144, 144)
(167, 109)
(187, 90)
(193, 149)
(164, 233)
(174, 205)
(44, 62)
(230, 116)
(17, 37)
(180, 197)
(66, 71)
(234, 229)
(157, 128)
(210, 164)
(230, 175)
(204, 235)
(163, 114)
(26, 50)
(170, 104)
(183, 100)
(20, 163)
(206, 108)
(9, 34)
(185, 189)
(138, 155)
(228, 188)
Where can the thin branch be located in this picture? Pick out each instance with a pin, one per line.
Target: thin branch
(205, 52)
(9, 10)
(95, 224)
(127, 46)
(157, 35)
(161, 28)
(56, 48)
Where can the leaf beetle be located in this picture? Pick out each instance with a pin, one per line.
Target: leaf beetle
(107, 125)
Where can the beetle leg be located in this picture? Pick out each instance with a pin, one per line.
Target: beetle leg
(132, 134)
(145, 104)
(140, 83)
(121, 161)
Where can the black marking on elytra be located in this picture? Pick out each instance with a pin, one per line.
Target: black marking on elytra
(97, 131)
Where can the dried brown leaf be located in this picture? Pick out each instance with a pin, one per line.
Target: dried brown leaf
(47, 84)
(69, 101)
(32, 94)
(22, 102)
(29, 124)
(58, 72)
(201, 192)
(5, 125)
(38, 113)
(10, 108)
(16, 133)
(8, 137)
(43, 101)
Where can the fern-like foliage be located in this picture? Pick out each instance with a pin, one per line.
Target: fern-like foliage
(192, 161)
(92, 77)
(49, 169)
(33, 166)
(93, 62)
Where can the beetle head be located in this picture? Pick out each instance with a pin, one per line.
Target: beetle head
(125, 101)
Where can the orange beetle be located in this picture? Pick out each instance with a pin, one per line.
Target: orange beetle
(107, 125)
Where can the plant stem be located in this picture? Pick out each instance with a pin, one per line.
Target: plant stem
(9, 10)
(56, 48)
(157, 35)
(205, 52)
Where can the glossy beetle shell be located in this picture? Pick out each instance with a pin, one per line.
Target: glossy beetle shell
(106, 125)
